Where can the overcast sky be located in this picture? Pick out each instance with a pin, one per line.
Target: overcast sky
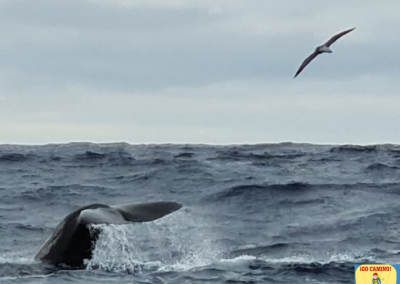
(210, 71)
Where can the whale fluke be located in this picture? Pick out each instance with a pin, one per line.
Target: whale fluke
(72, 242)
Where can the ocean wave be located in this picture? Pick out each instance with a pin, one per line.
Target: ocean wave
(354, 149)
(238, 155)
(16, 157)
(89, 156)
(252, 213)
(311, 201)
(55, 192)
(114, 158)
(259, 189)
(381, 167)
(265, 249)
(23, 269)
(184, 155)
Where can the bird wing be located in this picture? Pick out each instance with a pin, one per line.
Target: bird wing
(336, 37)
(305, 62)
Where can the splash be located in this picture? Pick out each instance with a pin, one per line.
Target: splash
(114, 250)
(309, 259)
(180, 241)
(237, 264)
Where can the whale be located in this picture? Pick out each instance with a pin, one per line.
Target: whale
(74, 240)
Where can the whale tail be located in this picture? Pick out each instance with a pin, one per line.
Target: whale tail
(145, 212)
(72, 241)
(123, 214)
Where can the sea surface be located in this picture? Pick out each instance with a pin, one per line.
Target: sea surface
(266, 213)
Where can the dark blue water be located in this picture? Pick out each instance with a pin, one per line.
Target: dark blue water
(278, 213)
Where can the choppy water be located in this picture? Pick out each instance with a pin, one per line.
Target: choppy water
(279, 213)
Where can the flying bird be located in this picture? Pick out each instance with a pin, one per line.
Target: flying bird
(321, 49)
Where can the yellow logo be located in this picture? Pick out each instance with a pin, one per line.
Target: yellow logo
(376, 274)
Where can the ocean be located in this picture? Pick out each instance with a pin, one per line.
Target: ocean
(264, 213)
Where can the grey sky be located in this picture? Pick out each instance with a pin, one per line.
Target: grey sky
(198, 71)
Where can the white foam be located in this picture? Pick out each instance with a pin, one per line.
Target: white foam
(175, 242)
(248, 246)
(237, 264)
(308, 259)
(15, 259)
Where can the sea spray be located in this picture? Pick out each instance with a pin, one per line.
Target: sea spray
(180, 241)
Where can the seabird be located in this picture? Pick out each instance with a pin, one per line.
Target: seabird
(321, 49)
